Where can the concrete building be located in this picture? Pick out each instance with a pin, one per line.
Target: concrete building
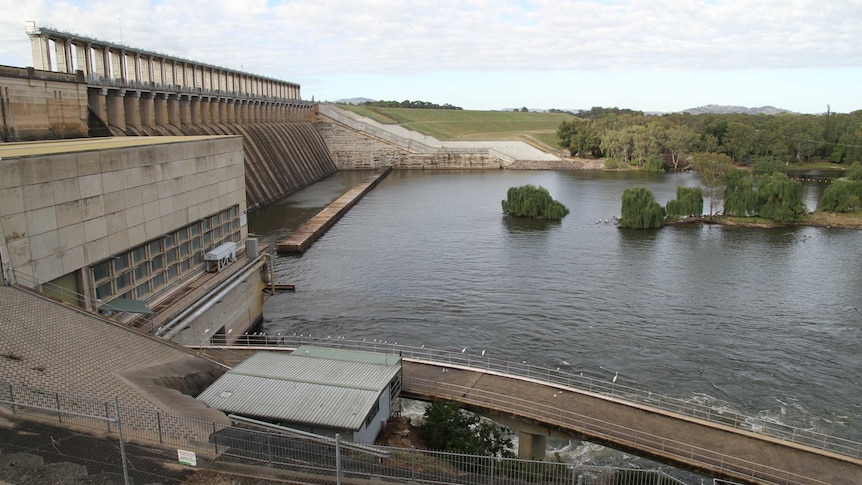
(123, 225)
(319, 390)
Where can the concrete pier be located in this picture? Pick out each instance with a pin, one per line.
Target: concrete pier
(300, 240)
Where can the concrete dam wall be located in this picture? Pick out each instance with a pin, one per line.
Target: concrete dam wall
(283, 150)
(280, 157)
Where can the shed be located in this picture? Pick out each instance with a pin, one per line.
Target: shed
(316, 389)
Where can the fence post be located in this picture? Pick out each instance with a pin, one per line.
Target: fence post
(337, 459)
(269, 447)
(413, 463)
(59, 414)
(12, 398)
(215, 441)
(122, 445)
(159, 424)
(107, 417)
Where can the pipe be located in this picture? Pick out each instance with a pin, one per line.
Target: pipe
(167, 330)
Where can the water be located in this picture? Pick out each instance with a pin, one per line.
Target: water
(760, 321)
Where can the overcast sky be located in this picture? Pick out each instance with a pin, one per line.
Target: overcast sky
(651, 55)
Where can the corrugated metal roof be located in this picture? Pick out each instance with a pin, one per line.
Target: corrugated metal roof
(304, 386)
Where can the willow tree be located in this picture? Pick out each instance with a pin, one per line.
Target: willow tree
(780, 198)
(740, 198)
(688, 202)
(842, 196)
(534, 202)
(712, 168)
(640, 209)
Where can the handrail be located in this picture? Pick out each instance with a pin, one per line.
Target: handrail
(557, 377)
(604, 429)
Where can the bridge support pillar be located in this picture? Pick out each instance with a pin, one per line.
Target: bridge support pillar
(214, 114)
(174, 109)
(195, 106)
(97, 99)
(132, 107)
(185, 103)
(116, 114)
(148, 115)
(161, 109)
(206, 111)
(230, 110)
(532, 446)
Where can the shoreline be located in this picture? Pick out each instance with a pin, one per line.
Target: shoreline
(835, 223)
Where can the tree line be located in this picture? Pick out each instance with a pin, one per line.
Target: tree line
(410, 104)
(629, 138)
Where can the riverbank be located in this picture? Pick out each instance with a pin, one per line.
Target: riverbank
(831, 220)
(562, 164)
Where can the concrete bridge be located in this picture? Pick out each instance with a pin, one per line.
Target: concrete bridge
(537, 401)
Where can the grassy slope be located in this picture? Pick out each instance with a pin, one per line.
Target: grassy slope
(471, 125)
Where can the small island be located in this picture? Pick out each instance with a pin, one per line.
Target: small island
(533, 202)
(774, 200)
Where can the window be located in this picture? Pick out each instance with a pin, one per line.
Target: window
(139, 254)
(102, 270)
(142, 290)
(141, 271)
(149, 267)
(103, 291)
(123, 281)
(157, 263)
(121, 262)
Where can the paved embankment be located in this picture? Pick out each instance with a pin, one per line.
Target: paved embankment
(300, 239)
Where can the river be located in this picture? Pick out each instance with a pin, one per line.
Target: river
(766, 322)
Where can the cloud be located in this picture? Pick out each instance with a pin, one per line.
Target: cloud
(299, 40)
(414, 35)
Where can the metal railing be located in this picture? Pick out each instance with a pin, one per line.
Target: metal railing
(567, 380)
(316, 459)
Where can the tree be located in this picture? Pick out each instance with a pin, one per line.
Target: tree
(780, 198)
(688, 202)
(679, 143)
(534, 202)
(449, 428)
(842, 196)
(740, 198)
(712, 168)
(640, 209)
(764, 165)
(738, 141)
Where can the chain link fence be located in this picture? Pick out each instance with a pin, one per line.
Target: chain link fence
(109, 443)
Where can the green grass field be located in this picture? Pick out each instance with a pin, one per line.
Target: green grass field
(446, 124)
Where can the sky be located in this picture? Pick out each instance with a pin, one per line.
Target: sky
(648, 55)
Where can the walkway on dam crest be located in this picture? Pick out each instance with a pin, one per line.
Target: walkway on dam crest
(689, 435)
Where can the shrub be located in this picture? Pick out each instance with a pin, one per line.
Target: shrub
(654, 164)
(534, 202)
(448, 428)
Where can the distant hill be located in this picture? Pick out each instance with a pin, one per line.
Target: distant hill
(354, 100)
(719, 109)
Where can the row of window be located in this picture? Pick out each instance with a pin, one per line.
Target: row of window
(146, 269)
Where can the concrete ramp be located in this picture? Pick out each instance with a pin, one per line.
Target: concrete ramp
(54, 347)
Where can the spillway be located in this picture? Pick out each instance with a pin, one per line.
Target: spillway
(280, 157)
